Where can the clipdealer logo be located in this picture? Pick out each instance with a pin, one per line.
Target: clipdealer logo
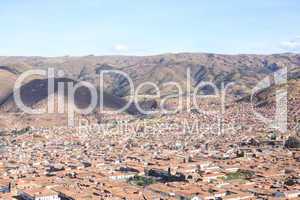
(219, 94)
(279, 122)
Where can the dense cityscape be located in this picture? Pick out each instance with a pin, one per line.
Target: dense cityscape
(174, 158)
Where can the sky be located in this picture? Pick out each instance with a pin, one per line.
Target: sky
(147, 27)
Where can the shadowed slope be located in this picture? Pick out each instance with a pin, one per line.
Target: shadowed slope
(7, 79)
(35, 94)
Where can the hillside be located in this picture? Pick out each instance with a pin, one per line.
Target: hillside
(7, 79)
(244, 70)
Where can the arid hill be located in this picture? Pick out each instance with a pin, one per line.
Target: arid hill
(7, 79)
(245, 71)
(35, 94)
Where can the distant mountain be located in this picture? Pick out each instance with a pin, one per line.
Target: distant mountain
(246, 70)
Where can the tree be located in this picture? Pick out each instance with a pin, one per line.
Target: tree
(292, 142)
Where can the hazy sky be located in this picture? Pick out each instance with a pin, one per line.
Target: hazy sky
(143, 27)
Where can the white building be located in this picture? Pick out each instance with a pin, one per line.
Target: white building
(39, 194)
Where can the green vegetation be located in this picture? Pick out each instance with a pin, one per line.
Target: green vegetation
(240, 174)
(22, 131)
(211, 191)
(141, 181)
(292, 142)
(273, 136)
